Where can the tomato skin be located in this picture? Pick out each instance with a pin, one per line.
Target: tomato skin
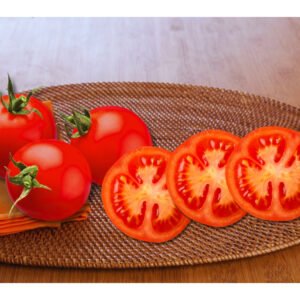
(18, 130)
(145, 230)
(270, 153)
(114, 131)
(191, 160)
(63, 169)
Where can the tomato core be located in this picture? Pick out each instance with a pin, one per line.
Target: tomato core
(197, 181)
(202, 176)
(142, 195)
(267, 175)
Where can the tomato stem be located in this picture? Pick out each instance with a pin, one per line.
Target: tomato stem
(17, 105)
(80, 121)
(27, 179)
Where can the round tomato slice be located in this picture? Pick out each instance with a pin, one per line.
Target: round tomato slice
(263, 173)
(136, 198)
(196, 178)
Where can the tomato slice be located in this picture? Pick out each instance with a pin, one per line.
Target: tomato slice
(136, 198)
(263, 174)
(196, 178)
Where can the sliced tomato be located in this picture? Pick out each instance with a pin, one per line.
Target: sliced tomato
(196, 178)
(136, 198)
(263, 173)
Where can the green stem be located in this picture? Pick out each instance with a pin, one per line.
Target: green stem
(17, 105)
(27, 179)
(80, 121)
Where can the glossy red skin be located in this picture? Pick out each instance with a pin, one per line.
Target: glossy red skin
(114, 132)
(17, 130)
(62, 168)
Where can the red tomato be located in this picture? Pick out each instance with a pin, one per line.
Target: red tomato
(263, 174)
(112, 132)
(196, 178)
(136, 198)
(63, 180)
(18, 128)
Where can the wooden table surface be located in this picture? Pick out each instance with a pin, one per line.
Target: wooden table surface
(260, 56)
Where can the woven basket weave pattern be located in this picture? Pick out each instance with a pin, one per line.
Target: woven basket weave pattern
(173, 113)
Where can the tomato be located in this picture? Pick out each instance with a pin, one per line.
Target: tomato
(263, 174)
(136, 198)
(48, 180)
(196, 178)
(104, 134)
(25, 121)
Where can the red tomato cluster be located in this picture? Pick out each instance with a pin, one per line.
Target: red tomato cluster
(49, 179)
(151, 194)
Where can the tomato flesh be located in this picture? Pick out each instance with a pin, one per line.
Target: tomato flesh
(196, 178)
(264, 173)
(136, 197)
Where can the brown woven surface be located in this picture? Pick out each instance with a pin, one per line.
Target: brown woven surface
(173, 113)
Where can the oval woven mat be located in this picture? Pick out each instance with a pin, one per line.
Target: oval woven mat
(173, 112)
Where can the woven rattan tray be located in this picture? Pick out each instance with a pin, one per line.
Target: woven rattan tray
(173, 112)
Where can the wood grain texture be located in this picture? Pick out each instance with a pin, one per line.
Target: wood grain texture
(261, 56)
(282, 266)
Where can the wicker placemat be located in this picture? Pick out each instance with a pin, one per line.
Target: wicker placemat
(173, 112)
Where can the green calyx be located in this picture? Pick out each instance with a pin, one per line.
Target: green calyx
(17, 105)
(27, 179)
(80, 121)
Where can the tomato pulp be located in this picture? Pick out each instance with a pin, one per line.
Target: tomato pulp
(136, 198)
(113, 132)
(263, 174)
(58, 166)
(196, 178)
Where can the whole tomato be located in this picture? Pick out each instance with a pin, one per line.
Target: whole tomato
(23, 119)
(48, 180)
(104, 134)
